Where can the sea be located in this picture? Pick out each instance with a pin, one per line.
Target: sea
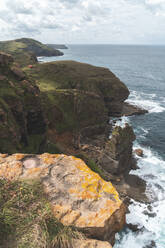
(142, 69)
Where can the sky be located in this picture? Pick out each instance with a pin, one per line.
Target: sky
(84, 21)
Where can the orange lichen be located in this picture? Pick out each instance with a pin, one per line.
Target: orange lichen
(48, 158)
(3, 155)
(93, 183)
(19, 156)
(60, 211)
(35, 172)
(71, 217)
(11, 171)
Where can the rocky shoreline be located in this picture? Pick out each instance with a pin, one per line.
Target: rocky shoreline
(68, 108)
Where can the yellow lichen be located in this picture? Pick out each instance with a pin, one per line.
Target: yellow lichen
(93, 183)
(48, 158)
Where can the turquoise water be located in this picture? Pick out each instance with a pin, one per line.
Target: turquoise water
(142, 69)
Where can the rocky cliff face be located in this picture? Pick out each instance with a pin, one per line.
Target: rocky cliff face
(78, 196)
(79, 96)
(63, 107)
(22, 124)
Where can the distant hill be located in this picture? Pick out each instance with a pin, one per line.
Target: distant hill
(26, 50)
(57, 46)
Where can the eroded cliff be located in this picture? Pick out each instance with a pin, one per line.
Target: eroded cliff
(22, 123)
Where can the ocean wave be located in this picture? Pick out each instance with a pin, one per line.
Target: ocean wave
(148, 217)
(146, 101)
(152, 169)
(131, 239)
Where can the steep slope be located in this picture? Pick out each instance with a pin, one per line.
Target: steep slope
(22, 124)
(78, 95)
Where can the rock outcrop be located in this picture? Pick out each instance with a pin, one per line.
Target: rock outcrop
(22, 122)
(119, 148)
(57, 46)
(25, 50)
(129, 109)
(78, 196)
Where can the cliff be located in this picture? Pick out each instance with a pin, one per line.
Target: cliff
(81, 94)
(26, 50)
(42, 194)
(57, 46)
(63, 107)
(22, 123)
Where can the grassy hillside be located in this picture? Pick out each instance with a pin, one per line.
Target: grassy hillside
(26, 50)
(77, 95)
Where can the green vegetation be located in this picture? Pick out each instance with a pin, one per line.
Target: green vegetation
(80, 76)
(26, 219)
(72, 91)
(22, 125)
(25, 50)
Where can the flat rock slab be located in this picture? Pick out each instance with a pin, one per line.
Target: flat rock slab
(79, 197)
(89, 243)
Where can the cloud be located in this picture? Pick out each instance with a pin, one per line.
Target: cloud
(91, 21)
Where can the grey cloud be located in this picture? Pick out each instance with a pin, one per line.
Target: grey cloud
(19, 7)
(106, 18)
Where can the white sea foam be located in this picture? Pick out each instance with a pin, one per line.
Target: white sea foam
(131, 239)
(152, 169)
(122, 121)
(146, 101)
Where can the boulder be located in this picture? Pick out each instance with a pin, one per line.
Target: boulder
(79, 197)
(139, 152)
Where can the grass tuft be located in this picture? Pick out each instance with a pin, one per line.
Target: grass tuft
(26, 219)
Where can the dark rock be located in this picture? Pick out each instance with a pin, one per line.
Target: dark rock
(152, 244)
(132, 227)
(152, 215)
(129, 110)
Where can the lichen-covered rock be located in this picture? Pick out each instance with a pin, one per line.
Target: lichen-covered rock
(79, 197)
(89, 243)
